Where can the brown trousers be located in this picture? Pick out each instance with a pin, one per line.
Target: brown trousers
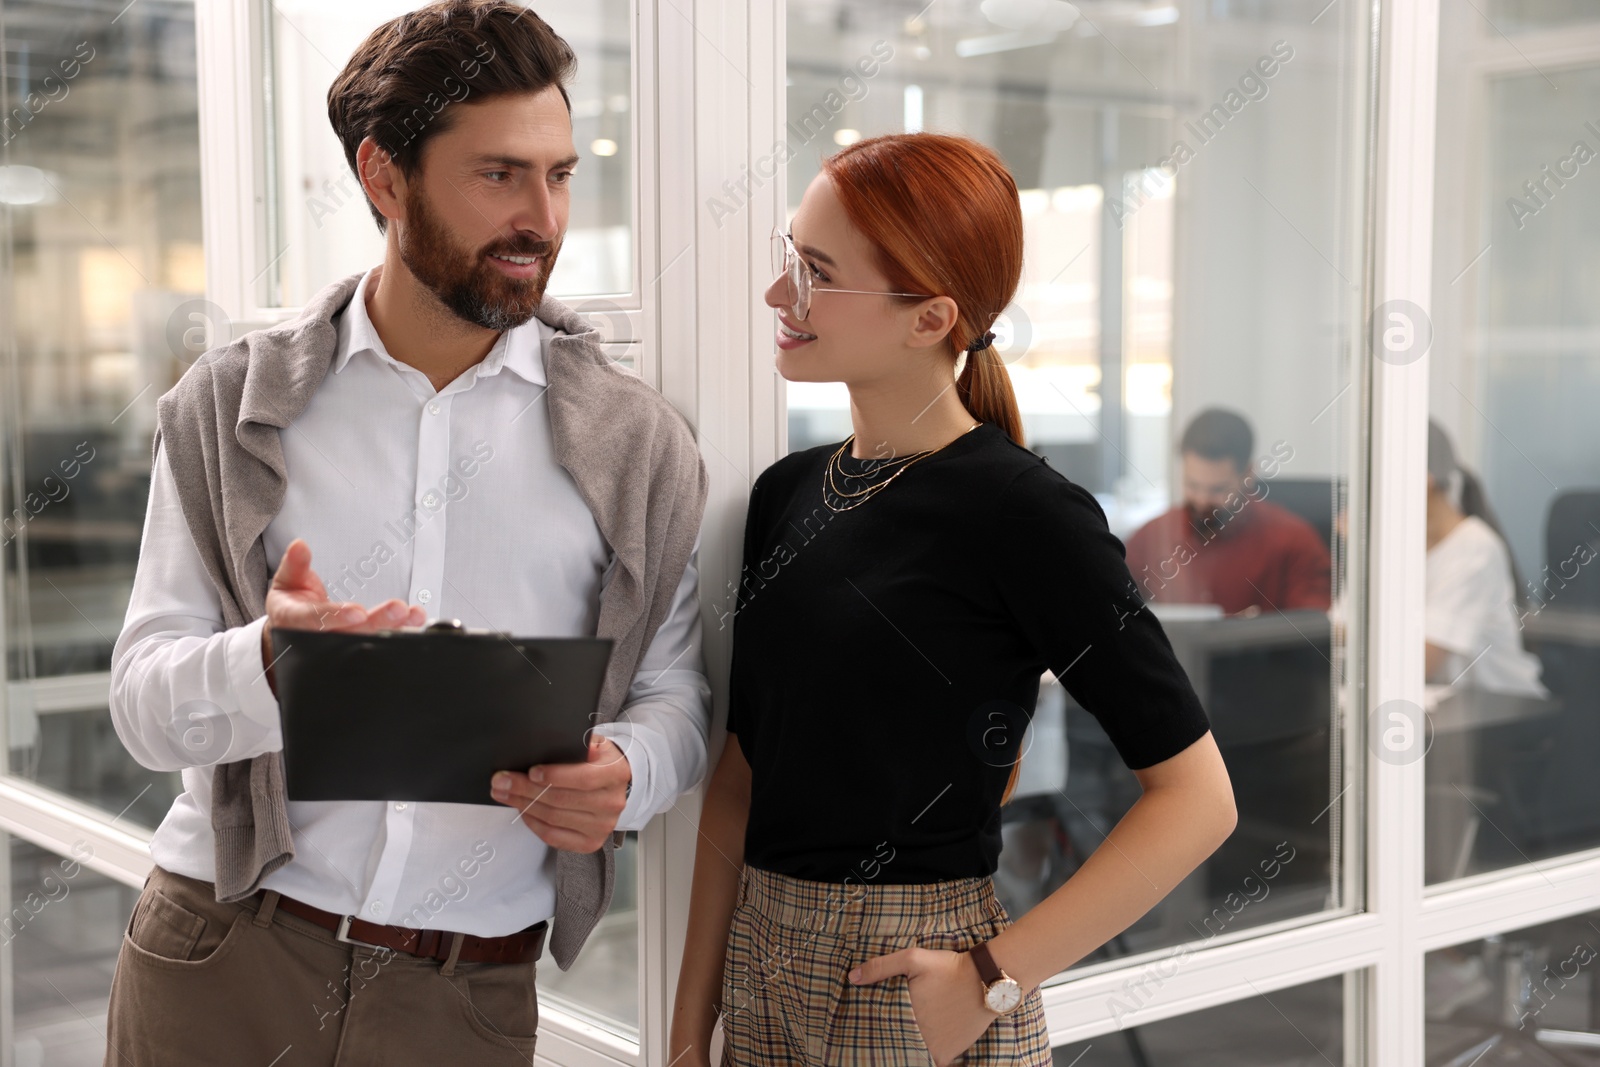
(203, 983)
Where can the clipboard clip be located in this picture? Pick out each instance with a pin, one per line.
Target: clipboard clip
(453, 625)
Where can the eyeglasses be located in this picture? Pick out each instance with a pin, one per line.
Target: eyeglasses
(786, 262)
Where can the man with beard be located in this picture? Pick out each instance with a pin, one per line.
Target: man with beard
(1225, 543)
(448, 442)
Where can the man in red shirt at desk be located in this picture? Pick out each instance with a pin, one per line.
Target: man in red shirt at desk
(1225, 543)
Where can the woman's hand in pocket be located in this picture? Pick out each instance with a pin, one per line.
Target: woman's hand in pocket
(946, 996)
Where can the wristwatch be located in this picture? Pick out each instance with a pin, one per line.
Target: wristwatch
(1001, 993)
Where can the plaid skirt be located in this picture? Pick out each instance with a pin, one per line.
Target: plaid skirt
(786, 997)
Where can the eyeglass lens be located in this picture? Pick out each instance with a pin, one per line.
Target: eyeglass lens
(786, 261)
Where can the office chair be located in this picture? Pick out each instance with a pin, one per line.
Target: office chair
(1573, 520)
(1559, 802)
(1316, 500)
(1506, 1019)
(1565, 791)
(1493, 765)
(1271, 718)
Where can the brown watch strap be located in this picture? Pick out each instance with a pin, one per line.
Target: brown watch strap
(988, 970)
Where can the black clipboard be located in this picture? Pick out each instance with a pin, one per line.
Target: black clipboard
(429, 714)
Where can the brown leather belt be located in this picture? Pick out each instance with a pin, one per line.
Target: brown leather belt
(524, 946)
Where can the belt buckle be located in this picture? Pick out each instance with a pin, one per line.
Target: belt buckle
(343, 934)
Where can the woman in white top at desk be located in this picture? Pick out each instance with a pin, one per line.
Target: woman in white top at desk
(1471, 587)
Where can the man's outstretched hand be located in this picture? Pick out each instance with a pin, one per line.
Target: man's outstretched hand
(298, 600)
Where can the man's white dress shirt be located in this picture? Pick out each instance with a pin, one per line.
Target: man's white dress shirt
(452, 500)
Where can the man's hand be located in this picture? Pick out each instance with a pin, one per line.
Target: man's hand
(946, 996)
(571, 806)
(298, 600)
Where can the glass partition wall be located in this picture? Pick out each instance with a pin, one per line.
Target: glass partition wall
(1512, 498)
(105, 298)
(1193, 187)
(100, 189)
(1514, 528)
(1284, 211)
(100, 248)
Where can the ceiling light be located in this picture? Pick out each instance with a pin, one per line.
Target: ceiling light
(22, 186)
(968, 47)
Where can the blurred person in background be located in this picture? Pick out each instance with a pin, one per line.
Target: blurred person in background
(1225, 543)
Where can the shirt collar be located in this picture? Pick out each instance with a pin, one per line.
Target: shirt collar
(520, 350)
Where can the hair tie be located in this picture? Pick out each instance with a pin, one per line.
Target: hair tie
(980, 343)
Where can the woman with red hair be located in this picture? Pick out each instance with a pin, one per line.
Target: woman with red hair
(902, 593)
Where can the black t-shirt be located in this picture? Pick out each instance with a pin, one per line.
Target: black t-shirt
(886, 659)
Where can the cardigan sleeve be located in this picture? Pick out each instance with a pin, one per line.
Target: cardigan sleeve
(1063, 576)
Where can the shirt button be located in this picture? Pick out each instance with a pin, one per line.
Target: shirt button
(423, 596)
(377, 907)
(433, 408)
(430, 499)
(401, 806)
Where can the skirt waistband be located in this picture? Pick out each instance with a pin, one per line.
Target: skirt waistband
(857, 909)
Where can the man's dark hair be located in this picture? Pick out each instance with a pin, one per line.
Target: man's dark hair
(1217, 433)
(399, 85)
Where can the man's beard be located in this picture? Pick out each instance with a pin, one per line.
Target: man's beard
(1216, 521)
(467, 283)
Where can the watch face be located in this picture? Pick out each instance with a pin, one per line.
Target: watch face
(1003, 996)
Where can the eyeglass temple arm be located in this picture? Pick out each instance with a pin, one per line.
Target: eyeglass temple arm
(865, 292)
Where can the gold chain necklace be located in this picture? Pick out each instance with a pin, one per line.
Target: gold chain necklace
(835, 462)
(873, 490)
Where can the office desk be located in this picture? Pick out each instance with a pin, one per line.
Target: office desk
(1462, 710)
(1480, 746)
(1262, 678)
(1564, 626)
(1510, 779)
(1265, 684)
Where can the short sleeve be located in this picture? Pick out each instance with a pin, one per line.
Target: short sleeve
(1064, 578)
